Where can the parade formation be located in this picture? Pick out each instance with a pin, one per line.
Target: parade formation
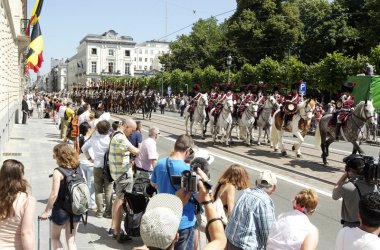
(270, 109)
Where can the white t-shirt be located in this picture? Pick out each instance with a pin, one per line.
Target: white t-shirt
(83, 117)
(355, 238)
(61, 111)
(290, 231)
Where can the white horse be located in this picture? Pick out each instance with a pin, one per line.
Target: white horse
(198, 116)
(264, 122)
(247, 120)
(299, 126)
(224, 122)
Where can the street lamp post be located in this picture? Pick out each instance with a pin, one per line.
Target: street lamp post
(162, 82)
(229, 61)
(187, 89)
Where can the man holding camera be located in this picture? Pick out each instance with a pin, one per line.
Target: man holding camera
(162, 179)
(352, 186)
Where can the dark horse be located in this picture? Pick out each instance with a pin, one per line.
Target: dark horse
(352, 131)
(135, 102)
(148, 105)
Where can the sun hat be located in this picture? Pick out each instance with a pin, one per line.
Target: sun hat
(159, 225)
(266, 179)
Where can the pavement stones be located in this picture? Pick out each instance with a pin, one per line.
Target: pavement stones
(32, 144)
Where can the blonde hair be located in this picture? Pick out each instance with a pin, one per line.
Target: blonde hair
(235, 175)
(308, 199)
(65, 156)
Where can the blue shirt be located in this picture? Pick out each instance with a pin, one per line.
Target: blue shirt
(135, 138)
(250, 221)
(160, 177)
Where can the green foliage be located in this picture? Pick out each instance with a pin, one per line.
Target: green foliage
(269, 71)
(375, 57)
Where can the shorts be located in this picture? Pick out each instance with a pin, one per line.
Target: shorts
(59, 216)
(123, 184)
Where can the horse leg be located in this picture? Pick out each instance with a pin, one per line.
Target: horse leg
(280, 142)
(357, 148)
(259, 135)
(297, 146)
(186, 122)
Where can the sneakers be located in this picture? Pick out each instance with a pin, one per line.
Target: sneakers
(122, 237)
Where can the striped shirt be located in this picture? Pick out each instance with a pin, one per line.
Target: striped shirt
(119, 156)
(250, 221)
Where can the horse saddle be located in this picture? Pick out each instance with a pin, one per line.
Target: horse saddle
(343, 118)
(290, 108)
(241, 110)
(217, 111)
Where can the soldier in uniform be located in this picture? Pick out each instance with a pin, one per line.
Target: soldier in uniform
(292, 98)
(221, 99)
(277, 95)
(196, 94)
(344, 106)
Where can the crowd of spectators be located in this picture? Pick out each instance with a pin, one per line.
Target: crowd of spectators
(175, 214)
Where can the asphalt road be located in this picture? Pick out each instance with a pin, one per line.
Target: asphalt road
(327, 216)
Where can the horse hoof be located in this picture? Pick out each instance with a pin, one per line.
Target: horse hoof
(293, 148)
(276, 150)
(283, 153)
(326, 163)
(299, 156)
(203, 138)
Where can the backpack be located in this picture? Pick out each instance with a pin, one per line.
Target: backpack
(76, 195)
(106, 165)
(65, 116)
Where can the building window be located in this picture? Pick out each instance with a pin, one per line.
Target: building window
(110, 67)
(146, 51)
(151, 52)
(135, 59)
(140, 67)
(134, 67)
(151, 60)
(128, 53)
(146, 59)
(140, 51)
(93, 67)
(150, 67)
(93, 51)
(111, 52)
(140, 59)
(127, 69)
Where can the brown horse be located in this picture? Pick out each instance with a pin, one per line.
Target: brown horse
(299, 126)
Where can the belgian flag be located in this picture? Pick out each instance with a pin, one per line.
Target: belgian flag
(34, 59)
(35, 15)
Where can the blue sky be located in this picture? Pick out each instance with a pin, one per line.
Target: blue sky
(65, 22)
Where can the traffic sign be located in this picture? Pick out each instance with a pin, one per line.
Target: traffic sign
(303, 88)
(169, 90)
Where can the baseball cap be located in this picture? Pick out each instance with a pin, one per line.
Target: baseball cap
(202, 153)
(159, 225)
(266, 178)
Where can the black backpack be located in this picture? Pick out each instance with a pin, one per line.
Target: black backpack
(106, 165)
(76, 194)
(65, 116)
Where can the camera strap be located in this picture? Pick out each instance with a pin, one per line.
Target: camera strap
(168, 170)
(357, 188)
(192, 199)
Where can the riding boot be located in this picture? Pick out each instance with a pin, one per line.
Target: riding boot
(285, 121)
(215, 120)
(337, 131)
(191, 116)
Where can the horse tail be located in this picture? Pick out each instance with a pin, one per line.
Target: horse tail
(273, 132)
(317, 136)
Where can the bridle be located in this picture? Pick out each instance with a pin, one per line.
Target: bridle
(306, 110)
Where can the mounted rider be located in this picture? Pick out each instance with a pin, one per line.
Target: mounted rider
(277, 94)
(344, 105)
(260, 97)
(195, 97)
(291, 104)
(224, 89)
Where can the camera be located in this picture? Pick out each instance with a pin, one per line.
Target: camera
(188, 180)
(371, 168)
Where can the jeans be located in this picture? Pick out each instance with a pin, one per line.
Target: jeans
(103, 192)
(186, 239)
(88, 171)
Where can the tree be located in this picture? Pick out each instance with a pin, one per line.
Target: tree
(375, 57)
(261, 28)
(269, 71)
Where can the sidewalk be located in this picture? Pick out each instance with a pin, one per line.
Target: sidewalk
(32, 144)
